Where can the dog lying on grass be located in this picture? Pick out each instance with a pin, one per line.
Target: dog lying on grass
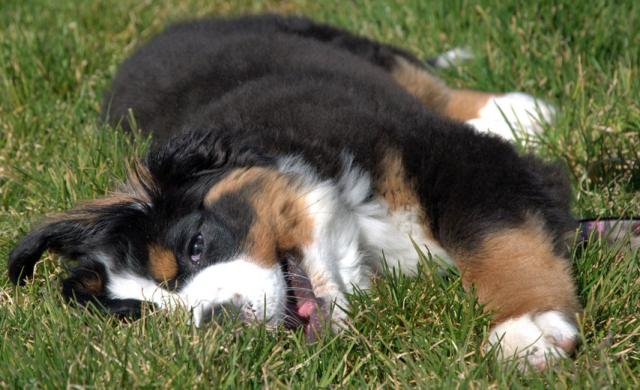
(287, 158)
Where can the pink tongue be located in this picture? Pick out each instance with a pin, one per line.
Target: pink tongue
(301, 286)
(311, 311)
(307, 305)
(306, 308)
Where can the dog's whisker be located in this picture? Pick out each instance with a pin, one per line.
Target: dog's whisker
(296, 275)
(301, 289)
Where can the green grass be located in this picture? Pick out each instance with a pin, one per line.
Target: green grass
(56, 58)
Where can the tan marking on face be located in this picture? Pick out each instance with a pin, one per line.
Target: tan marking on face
(282, 223)
(398, 189)
(162, 264)
(465, 104)
(515, 271)
(234, 182)
(430, 90)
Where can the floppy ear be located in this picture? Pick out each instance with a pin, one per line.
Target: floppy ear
(59, 236)
(75, 234)
(79, 233)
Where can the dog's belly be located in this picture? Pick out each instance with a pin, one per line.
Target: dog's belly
(396, 236)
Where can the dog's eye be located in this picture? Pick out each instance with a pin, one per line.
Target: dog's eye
(195, 247)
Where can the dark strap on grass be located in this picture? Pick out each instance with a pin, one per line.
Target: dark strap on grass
(620, 231)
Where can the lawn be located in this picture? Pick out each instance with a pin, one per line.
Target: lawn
(56, 59)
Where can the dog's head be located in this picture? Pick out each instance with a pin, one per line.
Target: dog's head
(201, 222)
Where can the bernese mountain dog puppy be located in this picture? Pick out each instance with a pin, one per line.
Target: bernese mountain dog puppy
(289, 160)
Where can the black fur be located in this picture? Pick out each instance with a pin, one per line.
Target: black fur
(223, 94)
(273, 85)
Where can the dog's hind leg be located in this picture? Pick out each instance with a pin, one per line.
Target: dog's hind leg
(508, 115)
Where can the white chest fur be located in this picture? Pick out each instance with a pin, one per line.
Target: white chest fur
(355, 232)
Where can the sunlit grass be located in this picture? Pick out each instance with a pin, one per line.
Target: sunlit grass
(56, 59)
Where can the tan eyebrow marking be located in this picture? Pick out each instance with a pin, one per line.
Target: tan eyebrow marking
(162, 264)
(282, 223)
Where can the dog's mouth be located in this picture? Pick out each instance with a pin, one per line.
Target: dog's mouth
(304, 309)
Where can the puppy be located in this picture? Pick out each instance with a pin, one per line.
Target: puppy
(287, 158)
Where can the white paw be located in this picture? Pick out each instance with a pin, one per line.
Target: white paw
(514, 115)
(536, 339)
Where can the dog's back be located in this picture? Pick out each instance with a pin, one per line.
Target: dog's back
(292, 87)
(174, 79)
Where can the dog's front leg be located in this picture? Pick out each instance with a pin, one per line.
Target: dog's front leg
(528, 287)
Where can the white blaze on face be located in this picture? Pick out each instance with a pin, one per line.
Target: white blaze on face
(255, 290)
